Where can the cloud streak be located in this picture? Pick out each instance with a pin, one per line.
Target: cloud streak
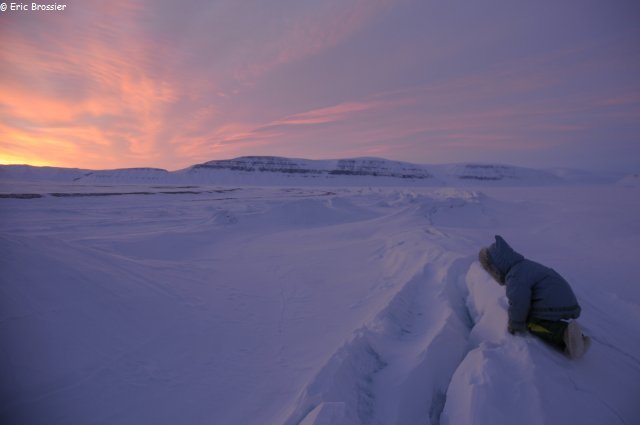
(83, 94)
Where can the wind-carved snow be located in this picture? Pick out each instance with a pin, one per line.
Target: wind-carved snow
(341, 306)
(397, 368)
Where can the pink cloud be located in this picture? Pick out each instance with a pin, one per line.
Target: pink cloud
(329, 114)
(129, 84)
(104, 82)
(68, 96)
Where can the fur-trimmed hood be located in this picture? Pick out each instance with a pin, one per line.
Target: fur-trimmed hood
(485, 260)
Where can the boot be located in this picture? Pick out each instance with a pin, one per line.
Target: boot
(576, 343)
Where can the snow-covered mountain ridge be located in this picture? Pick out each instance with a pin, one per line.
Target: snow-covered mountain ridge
(277, 171)
(375, 167)
(355, 169)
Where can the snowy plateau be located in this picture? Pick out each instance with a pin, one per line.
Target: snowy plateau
(266, 290)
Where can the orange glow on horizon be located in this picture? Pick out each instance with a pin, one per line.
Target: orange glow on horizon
(6, 159)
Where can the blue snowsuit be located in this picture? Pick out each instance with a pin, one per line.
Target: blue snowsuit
(535, 292)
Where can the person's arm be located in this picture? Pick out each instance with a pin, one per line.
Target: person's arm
(519, 295)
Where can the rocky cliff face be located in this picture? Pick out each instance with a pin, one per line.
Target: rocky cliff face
(347, 167)
(273, 164)
(380, 167)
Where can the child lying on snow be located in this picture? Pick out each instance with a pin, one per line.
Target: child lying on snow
(540, 300)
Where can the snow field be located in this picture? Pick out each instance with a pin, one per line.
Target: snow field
(309, 306)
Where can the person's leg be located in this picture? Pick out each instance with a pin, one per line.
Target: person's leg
(550, 331)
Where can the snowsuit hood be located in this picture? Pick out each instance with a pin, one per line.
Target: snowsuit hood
(502, 256)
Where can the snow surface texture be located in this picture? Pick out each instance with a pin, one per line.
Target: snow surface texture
(196, 304)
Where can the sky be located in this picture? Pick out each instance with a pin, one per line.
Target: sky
(168, 84)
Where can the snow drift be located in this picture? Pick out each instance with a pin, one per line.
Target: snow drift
(174, 303)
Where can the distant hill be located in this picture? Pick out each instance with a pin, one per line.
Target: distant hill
(277, 171)
(632, 180)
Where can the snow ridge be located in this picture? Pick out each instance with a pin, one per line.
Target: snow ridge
(385, 373)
